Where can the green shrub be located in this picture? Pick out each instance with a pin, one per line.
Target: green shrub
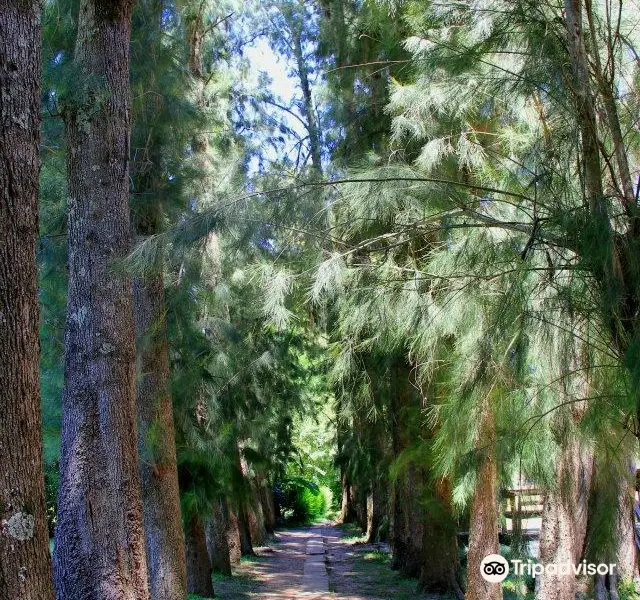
(628, 590)
(302, 501)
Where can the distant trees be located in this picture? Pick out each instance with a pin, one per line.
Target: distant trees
(487, 240)
(25, 565)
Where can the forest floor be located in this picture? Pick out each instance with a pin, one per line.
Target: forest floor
(292, 566)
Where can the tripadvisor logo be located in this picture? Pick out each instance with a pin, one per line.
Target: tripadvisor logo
(495, 568)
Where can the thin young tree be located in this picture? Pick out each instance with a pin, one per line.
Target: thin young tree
(25, 566)
(99, 544)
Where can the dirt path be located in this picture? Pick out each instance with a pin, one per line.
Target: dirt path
(317, 563)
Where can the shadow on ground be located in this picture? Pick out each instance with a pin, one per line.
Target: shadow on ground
(356, 571)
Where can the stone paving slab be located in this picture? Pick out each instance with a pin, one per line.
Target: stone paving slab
(315, 577)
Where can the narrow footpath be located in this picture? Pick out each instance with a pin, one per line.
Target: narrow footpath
(322, 562)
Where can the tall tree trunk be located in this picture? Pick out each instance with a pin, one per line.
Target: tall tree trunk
(566, 505)
(627, 553)
(100, 548)
(233, 536)
(408, 523)
(217, 532)
(158, 468)
(359, 499)
(25, 566)
(265, 494)
(378, 505)
(407, 513)
(615, 493)
(564, 520)
(606, 89)
(347, 507)
(585, 106)
(242, 500)
(199, 570)
(440, 569)
(255, 515)
(246, 546)
(309, 108)
(483, 527)
(256, 518)
(376, 508)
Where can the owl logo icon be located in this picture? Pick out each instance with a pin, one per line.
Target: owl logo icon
(494, 568)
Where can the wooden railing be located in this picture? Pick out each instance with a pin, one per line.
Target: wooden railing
(523, 511)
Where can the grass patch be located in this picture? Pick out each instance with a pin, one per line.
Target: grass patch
(240, 586)
(378, 556)
(376, 578)
(353, 533)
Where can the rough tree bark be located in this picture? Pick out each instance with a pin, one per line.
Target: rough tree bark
(585, 105)
(199, 569)
(156, 437)
(217, 532)
(25, 565)
(362, 515)
(627, 553)
(622, 550)
(347, 507)
(378, 447)
(100, 548)
(265, 494)
(566, 505)
(408, 525)
(406, 512)
(256, 518)
(211, 264)
(257, 529)
(242, 512)
(440, 568)
(376, 508)
(233, 536)
(164, 534)
(244, 527)
(483, 526)
(564, 520)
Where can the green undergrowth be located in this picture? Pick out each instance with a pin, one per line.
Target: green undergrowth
(253, 559)
(303, 502)
(372, 568)
(628, 590)
(353, 533)
(238, 587)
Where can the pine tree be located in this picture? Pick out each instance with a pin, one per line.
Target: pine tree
(99, 544)
(156, 151)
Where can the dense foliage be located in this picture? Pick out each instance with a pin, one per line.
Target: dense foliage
(392, 279)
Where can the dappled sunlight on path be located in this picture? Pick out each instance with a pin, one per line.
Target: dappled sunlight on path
(355, 571)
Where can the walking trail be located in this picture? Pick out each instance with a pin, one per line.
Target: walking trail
(317, 563)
